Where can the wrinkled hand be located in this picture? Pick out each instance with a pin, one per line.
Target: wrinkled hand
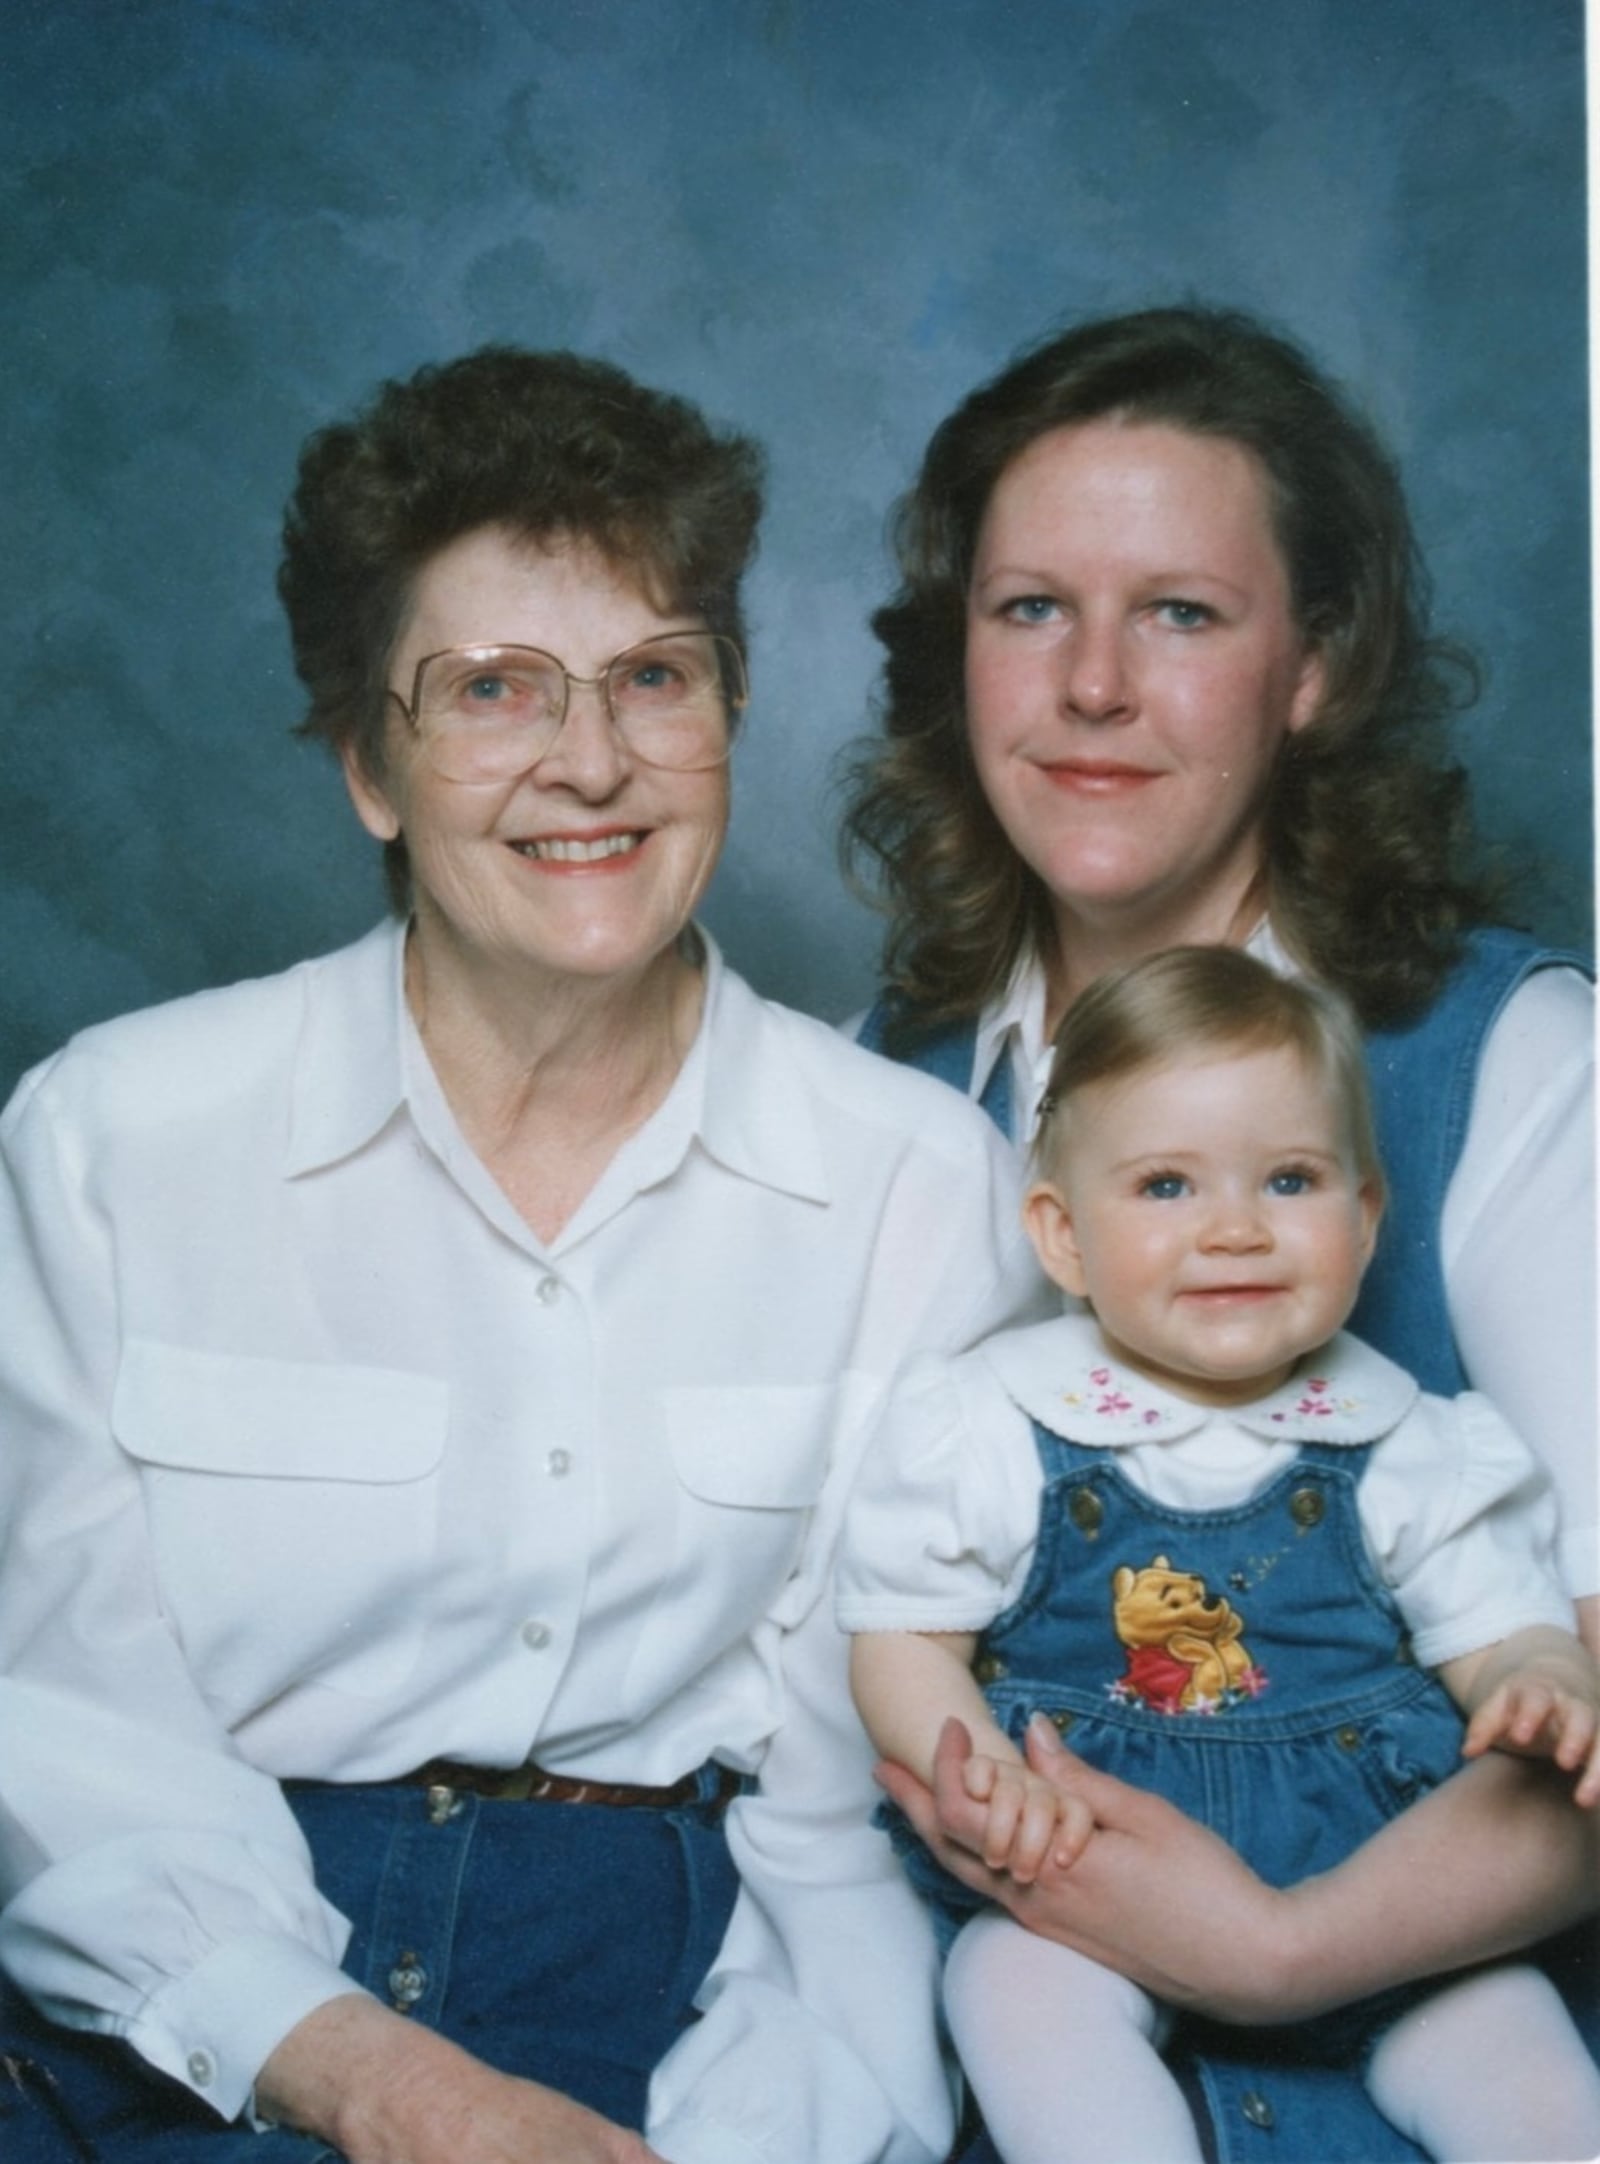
(1547, 1709)
(1026, 1817)
(384, 2090)
(1153, 1894)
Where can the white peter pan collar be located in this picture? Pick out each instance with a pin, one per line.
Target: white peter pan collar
(1061, 1375)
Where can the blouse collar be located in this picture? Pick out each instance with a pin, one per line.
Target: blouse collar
(1061, 1375)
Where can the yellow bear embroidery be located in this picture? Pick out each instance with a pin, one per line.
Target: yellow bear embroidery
(1185, 1646)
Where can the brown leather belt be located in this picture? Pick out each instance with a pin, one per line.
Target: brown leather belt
(531, 1784)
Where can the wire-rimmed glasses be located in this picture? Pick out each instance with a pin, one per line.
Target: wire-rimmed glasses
(487, 713)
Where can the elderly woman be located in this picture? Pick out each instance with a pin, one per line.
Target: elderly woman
(429, 1384)
(1158, 673)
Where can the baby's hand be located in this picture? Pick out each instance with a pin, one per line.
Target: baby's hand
(1028, 1820)
(1548, 1707)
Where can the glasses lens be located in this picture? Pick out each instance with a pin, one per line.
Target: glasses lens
(676, 700)
(488, 711)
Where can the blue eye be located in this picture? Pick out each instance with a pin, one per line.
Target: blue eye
(1164, 1186)
(1186, 615)
(1030, 609)
(1290, 1183)
(485, 690)
(653, 677)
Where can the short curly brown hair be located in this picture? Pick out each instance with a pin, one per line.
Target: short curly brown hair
(546, 445)
(1370, 875)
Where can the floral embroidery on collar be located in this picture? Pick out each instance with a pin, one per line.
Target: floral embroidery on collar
(1107, 1399)
(1317, 1402)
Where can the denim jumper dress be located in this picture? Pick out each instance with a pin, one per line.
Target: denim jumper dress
(1246, 1663)
(1254, 2103)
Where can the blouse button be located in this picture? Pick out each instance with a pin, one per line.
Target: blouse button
(535, 1635)
(202, 2069)
(1306, 1506)
(558, 1463)
(549, 1291)
(1088, 1512)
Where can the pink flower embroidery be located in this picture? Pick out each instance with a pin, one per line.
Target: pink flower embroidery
(1253, 1682)
(1113, 1401)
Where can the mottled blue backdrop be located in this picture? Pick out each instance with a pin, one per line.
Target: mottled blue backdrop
(222, 220)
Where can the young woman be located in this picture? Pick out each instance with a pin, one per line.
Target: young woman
(1159, 672)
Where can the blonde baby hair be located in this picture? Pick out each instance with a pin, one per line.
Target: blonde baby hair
(1205, 1002)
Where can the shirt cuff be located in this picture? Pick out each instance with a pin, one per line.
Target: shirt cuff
(858, 1613)
(1450, 1641)
(214, 2027)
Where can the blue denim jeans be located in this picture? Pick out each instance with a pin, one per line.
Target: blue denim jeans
(561, 1942)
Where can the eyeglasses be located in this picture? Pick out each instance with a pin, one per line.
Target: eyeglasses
(486, 713)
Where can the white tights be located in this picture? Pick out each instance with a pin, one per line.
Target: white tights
(1065, 2059)
(1490, 2070)
(1063, 2055)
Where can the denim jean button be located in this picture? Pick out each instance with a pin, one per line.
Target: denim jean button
(1306, 1507)
(408, 1980)
(1087, 1510)
(1257, 2110)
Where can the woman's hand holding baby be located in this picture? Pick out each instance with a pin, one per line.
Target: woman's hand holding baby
(1027, 1819)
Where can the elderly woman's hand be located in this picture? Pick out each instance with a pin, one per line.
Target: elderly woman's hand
(385, 2091)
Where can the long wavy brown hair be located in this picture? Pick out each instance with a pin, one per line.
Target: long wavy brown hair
(1371, 868)
(550, 446)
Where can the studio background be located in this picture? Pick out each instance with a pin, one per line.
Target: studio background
(222, 221)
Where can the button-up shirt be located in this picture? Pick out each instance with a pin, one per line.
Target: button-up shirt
(317, 1463)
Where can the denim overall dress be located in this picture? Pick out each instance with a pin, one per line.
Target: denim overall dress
(1246, 1663)
(1255, 2103)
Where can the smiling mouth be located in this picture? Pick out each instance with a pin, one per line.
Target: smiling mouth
(1095, 776)
(572, 849)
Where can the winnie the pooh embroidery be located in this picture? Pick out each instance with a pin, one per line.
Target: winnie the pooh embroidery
(1186, 1652)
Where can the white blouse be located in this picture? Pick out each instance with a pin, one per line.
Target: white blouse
(1457, 1516)
(1518, 1232)
(318, 1463)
